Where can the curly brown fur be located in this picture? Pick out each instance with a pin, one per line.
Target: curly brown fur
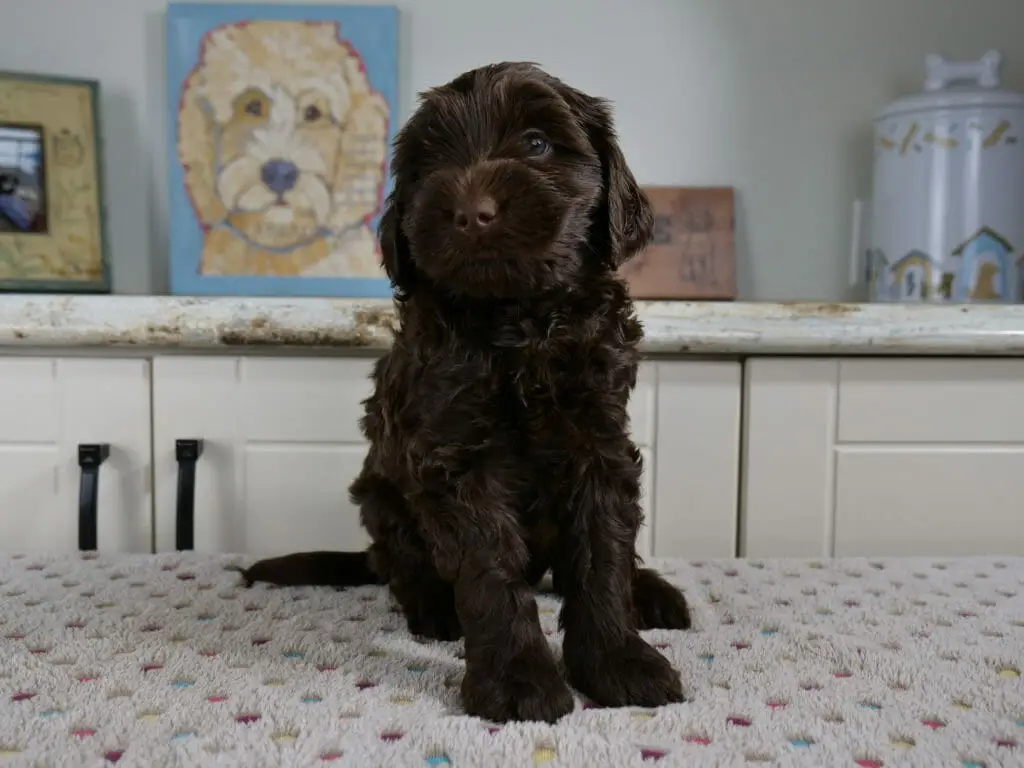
(498, 427)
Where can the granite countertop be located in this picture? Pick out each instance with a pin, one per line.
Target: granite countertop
(706, 328)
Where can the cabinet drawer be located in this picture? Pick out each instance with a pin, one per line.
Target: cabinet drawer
(921, 501)
(931, 401)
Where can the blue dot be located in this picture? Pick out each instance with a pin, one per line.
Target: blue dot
(707, 658)
(803, 743)
(438, 760)
(417, 669)
(970, 764)
(51, 713)
(312, 700)
(182, 735)
(182, 684)
(294, 655)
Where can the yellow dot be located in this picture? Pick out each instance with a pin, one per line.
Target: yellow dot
(283, 738)
(402, 701)
(962, 705)
(900, 743)
(543, 755)
(148, 716)
(642, 716)
(9, 751)
(1009, 672)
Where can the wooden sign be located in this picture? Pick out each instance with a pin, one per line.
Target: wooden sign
(692, 255)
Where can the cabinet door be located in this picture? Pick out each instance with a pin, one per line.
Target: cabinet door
(281, 446)
(884, 457)
(695, 464)
(48, 408)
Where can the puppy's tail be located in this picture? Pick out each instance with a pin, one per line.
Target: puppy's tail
(328, 569)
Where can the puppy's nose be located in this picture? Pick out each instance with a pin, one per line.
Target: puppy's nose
(476, 213)
(279, 175)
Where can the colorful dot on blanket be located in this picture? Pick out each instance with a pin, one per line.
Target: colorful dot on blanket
(51, 713)
(23, 696)
(294, 655)
(284, 737)
(311, 700)
(83, 733)
(113, 755)
(1009, 672)
(701, 740)
(801, 743)
(438, 760)
(903, 743)
(869, 763)
(972, 764)
(330, 757)
(933, 723)
(651, 755)
(182, 735)
(247, 717)
(543, 755)
(391, 736)
(149, 716)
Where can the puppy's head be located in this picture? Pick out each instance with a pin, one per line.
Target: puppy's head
(507, 183)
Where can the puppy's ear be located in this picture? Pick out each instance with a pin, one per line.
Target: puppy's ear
(624, 220)
(394, 248)
(197, 152)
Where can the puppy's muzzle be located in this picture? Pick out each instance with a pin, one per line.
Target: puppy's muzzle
(475, 212)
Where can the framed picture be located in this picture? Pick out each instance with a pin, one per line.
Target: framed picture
(281, 122)
(693, 254)
(52, 230)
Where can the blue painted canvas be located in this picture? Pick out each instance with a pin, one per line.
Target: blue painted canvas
(281, 122)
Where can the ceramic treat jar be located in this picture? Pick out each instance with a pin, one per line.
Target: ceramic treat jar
(947, 210)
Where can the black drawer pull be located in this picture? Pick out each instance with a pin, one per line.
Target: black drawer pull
(187, 452)
(90, 457)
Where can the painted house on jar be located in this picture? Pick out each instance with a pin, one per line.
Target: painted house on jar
(913, 277)
(986, 267)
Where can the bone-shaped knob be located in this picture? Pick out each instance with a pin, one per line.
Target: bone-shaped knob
(940, 72)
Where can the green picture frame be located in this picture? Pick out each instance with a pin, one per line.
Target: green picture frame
(53, 228)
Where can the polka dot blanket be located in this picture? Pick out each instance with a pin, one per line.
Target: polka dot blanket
(168, 661)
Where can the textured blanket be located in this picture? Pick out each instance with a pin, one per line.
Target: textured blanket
(168, 661)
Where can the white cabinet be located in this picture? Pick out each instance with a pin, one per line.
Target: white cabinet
(696, 458)
(883, 457)
(282, 444)
(48, 408)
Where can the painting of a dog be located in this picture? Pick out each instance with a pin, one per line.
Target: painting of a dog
(281, 148)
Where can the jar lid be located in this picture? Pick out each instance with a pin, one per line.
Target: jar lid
(957, 85)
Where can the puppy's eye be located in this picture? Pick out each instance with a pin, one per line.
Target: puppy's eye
(312, 113)
(254, 108)
(536, 144)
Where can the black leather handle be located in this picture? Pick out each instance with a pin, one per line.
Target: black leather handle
(90, 457)
(187, 452)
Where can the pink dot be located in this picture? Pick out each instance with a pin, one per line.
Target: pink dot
(329, 757)
(697, 740)
(934, 724)
(114, 755)
(740, 721)
(217, 699)
(869, 763)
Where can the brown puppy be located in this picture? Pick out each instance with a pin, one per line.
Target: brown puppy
(499, 435)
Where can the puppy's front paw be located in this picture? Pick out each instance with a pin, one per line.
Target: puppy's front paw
(658, 604)
(633, 674)
(529, 687)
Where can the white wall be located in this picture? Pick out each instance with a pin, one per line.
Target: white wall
(774, 97)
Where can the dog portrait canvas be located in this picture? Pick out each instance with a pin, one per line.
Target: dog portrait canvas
(281, 119)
